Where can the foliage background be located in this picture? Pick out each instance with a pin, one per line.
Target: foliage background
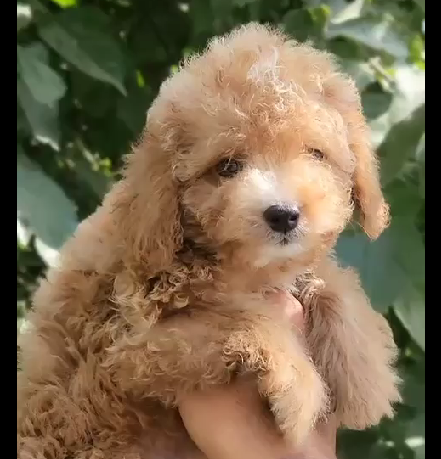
(87, 71)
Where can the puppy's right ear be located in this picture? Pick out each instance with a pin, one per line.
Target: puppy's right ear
(145, 208)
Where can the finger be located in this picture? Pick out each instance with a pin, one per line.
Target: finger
(294, 311)
(327, 431)
(291, 307)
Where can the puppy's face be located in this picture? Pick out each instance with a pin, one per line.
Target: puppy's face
(272, 190)
(259, 144)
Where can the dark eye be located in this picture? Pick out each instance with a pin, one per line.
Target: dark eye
(229, 168)
(318, 154)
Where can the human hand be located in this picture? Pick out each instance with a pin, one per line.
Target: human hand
(231, 422)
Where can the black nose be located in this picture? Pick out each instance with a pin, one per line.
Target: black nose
(281, 219)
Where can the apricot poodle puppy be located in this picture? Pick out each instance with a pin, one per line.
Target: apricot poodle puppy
(253, 159)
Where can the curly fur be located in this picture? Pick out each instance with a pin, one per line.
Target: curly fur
(162, 290)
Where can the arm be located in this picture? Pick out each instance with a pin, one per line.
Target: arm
(175, 357)
(241, 427)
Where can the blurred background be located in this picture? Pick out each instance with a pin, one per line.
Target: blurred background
(87, 72)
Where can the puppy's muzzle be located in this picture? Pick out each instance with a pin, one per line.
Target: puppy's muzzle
(282, 219)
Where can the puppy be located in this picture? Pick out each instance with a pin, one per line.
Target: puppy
(246, 173)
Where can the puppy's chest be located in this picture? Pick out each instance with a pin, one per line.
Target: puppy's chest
(183, 288)
(188, 289)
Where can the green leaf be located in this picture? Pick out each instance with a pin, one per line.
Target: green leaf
(42, 118)
(22, 122)
(95, 98)
(420, 158)
(361, 72)
(401, 143)
(417, 49)
(421, 4)
(409, 254)
(24, 16)
(375, 103)
(409, 306)
(416, 436)
(380, 274)
(44, 83)
(132, 108)
(409, 250)
(81, 36)
(410, 309)
(65, 3)
(410, 93)
(201, 14)
(379, 33)
(413, 390)
(306, 24)
(88, 169)
(43, 207)
(242, 2)
(388, 266)
(343, 11)
(299, 23)
(223, 12)
(420, 153)
(404, 199)
(21, 325)
(352, 444)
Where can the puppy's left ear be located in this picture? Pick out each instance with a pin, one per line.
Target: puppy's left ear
(374, 211)
(341, 93)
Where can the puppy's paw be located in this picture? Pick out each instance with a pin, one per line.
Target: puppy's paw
(371, 384)
(352, 347)
(370, 401)
(297, 398)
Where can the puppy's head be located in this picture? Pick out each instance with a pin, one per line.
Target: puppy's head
(261, 143)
